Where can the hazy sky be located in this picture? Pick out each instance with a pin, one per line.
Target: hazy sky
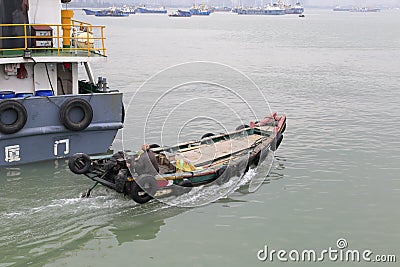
(353, 2)
(325, 3)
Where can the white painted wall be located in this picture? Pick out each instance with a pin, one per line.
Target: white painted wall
(75, 87)
(12, 83)
(41, 79)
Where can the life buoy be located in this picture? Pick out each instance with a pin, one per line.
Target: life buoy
(65, 116)
(21, 116)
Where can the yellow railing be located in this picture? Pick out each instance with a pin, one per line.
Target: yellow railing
(85, 37)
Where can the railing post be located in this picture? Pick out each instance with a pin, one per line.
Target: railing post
(25, 37)
(58, 40)
(102, 41)
(87, 42)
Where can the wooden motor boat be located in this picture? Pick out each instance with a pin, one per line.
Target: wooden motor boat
(213, 158)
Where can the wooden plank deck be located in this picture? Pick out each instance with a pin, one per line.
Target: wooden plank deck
(209, 152)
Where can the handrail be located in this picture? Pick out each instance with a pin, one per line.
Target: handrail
(93, 41)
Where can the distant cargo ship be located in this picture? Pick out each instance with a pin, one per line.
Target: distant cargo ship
(180, 13)
(294, 9)
(200, 10)
(222, 9)
(356, 9)
(339, 8)
(274, 9)
(110, 12)
(144, 9)
(364, 9)
(89, 11)
(128, 9)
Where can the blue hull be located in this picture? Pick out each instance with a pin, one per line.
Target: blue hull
(294, 11)
(112, 15)
(44, 137)
(260, 12)
(197, 12)
(105, 13)
(150, 11)
(89, 12)
(181, 14)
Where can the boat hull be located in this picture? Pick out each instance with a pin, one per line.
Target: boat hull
(89, 12)
(294, 11)
(150, 11)
(100, 14)
(198, 12)
(45, 137)
(261, 12)
(181, 14)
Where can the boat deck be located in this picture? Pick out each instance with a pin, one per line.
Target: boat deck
(77, 39)
(8, 57)
(51, 53)
(206, 153)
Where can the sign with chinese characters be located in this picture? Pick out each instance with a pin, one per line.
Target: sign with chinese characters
(63, 142)
(12, 153)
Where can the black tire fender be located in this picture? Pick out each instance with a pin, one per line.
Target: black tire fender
(65, 114)
(79, 163)
(19, 123)
(143, 189)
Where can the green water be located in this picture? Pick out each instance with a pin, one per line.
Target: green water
(336, 175)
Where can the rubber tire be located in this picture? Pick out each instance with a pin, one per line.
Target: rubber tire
(76, 103)
(79, 163)
(207, 135)
(240, 127)
(22, 116)
(137, 193)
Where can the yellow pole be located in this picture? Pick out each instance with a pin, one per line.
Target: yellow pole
(66, 16)
(26, 40)
(102, 41)
(58, 41)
